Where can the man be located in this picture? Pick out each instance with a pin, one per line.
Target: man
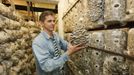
(47, 47)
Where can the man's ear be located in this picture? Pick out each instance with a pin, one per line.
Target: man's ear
(40, 23)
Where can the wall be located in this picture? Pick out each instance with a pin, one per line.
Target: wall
(16, 37)
(105, 25)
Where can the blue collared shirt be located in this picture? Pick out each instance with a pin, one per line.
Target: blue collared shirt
(43, 50)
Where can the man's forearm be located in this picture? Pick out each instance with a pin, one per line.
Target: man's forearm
(52, 64)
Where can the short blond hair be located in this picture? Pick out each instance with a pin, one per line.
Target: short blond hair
(44, 14)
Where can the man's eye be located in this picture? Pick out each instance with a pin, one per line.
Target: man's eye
(51, 20)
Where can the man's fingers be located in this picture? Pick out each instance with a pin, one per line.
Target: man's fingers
(81, 44)
(82, 47)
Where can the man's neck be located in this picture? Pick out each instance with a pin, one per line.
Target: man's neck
(50, 33)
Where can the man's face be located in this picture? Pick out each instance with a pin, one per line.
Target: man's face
(49, 23)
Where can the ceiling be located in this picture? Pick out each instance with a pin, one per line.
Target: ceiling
(45, 1)
(34, 5)
(30, 9)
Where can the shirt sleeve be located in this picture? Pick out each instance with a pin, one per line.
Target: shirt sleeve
(46, 62)
(63, 44)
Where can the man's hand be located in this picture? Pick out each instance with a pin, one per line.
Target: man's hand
(74, 48)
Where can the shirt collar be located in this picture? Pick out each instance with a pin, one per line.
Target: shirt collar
(47, 36)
